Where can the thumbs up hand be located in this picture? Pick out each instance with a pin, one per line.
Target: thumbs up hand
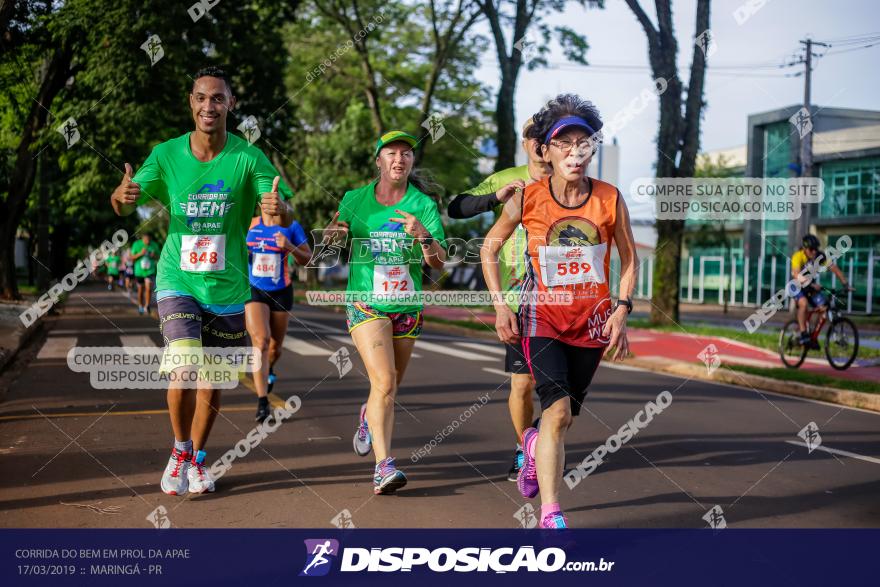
(270, 202)
(128, 191)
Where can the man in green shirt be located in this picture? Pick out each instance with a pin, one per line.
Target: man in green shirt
(491, 195)
(111, 264)
(209, 181)
(145, 256)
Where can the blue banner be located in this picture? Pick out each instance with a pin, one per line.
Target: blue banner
(434, 557)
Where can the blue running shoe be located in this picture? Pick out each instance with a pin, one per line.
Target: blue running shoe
(271, 379)
(516, 466)
(388, 478)
(554, 521)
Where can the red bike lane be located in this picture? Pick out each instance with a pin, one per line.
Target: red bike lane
(687, 347)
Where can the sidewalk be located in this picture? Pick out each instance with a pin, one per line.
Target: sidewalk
(681, 346)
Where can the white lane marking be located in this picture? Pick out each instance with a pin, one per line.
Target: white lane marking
(496, 371)
(347, 340)
(82, 331)
(837, 451)
(626, 368)
(452, 352)
(56, 347)
(315, 326)
(342, 339)
(306, 349)
(483, 348)
(136, 341)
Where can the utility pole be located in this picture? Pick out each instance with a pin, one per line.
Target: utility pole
(802, 225)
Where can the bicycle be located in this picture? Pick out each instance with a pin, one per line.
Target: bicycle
(841, 338)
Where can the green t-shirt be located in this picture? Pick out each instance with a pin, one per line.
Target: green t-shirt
(210, 207)
(112, 264)
(145, 266)
(511, 259)
(384, 260)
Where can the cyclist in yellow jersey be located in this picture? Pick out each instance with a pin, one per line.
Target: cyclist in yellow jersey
(811, 291)
(491, 195)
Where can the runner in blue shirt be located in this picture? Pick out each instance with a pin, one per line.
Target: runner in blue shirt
(268, 310)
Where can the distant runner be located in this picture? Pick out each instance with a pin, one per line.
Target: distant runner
(111, 264)
(268, 311)
(145, 256)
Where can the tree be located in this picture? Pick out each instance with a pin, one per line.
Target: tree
(678, 139)
(83, 59)
(519, 17)
(348, 85)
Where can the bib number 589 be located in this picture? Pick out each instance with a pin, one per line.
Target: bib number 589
(573, 268)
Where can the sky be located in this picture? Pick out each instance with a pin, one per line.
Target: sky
(743, 75)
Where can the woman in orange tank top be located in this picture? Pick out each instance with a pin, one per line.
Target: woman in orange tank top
(567, 319)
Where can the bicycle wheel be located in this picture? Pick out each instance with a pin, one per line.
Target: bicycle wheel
(841, 343)
(791, 351)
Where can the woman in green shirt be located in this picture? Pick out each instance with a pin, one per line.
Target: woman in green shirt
(394, 226)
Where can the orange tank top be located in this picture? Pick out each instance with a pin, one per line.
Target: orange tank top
(569, 250)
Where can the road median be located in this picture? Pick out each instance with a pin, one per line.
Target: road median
(853, 399)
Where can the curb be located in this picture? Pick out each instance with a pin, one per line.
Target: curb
(18, 338)
(852, 399)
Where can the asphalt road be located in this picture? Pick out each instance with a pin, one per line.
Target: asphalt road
(74, 456)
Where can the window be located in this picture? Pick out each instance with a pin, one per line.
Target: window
(852, 188)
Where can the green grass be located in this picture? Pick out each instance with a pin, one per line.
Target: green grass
(27, 290)
(766, 340)
(809, 378)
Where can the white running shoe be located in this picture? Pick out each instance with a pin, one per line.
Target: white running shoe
(200, 480)
(174, 479)
(362, 442)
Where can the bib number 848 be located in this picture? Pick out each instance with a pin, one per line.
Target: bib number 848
(203, 257)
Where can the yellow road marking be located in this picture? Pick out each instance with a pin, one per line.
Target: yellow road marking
(274, 400)
(96, 414)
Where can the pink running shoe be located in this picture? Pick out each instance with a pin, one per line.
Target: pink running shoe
(527, 479)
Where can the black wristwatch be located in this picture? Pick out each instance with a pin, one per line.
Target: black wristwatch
(428, 240)
(627, 302)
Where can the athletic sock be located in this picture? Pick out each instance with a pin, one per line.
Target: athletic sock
(263, 401)
(549, 508)
(183, 446)
(518, 447)
(199, 457)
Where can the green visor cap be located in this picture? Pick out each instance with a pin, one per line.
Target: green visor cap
(392, 136)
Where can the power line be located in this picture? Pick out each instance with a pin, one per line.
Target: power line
(852, 39)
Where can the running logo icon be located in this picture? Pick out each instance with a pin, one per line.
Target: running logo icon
(319, 556)
(715, 518)
(811, 437)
